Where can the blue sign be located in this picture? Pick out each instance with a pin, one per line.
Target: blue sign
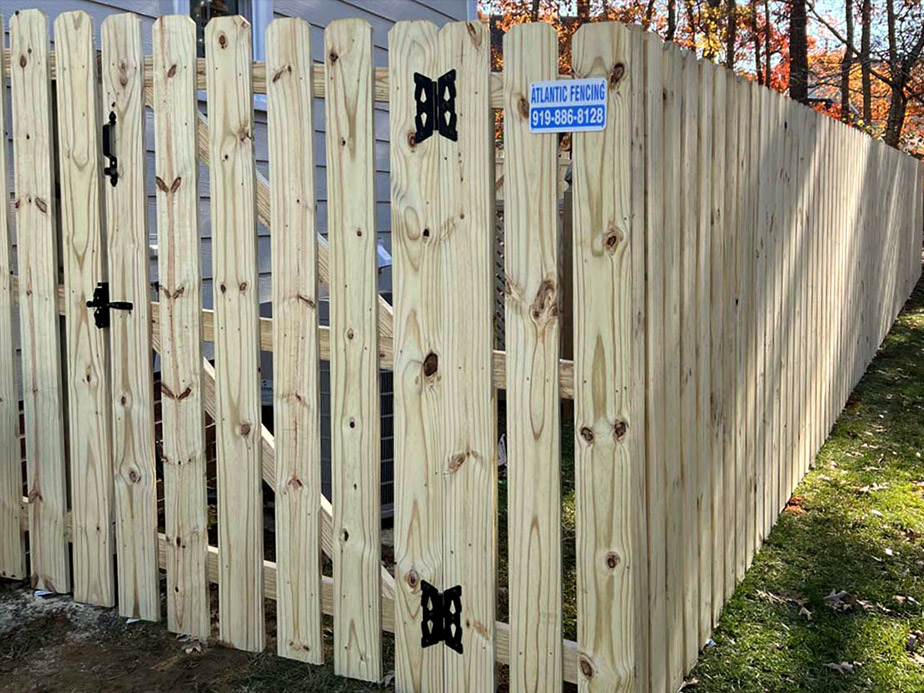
(574, 105)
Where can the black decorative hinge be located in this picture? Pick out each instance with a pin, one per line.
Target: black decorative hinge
(102, 305)
(436, 103)
(442, 616)
(112, 170)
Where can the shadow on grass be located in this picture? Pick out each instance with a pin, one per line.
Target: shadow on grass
(859, 529)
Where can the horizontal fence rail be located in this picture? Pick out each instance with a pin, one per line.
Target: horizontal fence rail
(735, 260)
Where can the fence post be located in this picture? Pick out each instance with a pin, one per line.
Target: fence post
(605, 423)
(237, 340)
(132, 375)
(89, 398)
(43, 399)
(296, 404)
(355, 425)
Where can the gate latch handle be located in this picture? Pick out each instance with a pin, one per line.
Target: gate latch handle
(102, 305)
(112, 170)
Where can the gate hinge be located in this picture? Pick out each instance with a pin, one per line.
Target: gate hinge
(436, 106)
(102, 305)
(442, 616)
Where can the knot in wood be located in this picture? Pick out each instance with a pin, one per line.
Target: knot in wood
(612, 238)
(333, 57)
(524, 107)
(545, 305)
(412, 139)
(222, 40)
(617, 73)
(613, 560)
(172, 71)
(587, 667)
(620, 428)
(134, 476)
(431, 365)
(412, 579)
(245, 429)
(587, 434)
(22, 61)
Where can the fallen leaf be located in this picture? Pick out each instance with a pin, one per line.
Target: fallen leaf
(794, 505)
(841, 668)
(889, 552)
(689, 684)
(876, 513)
(840, 601)
(805, 612)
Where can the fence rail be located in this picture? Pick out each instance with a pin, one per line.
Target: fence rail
(737, 259)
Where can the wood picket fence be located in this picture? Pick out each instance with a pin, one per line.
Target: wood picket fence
(737, 260)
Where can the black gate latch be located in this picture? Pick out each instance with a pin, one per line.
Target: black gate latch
(112, 170)
(442, 616)
(436, 103)
(102, 305)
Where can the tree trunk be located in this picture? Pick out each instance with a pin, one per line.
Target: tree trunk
(866, 76)
(731, 33)
(534, 12)
(798, 52)
(768, 72)
(756, 36)
(671, 19)
(896, 121)
(847, 64)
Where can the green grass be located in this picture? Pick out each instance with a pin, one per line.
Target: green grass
(841, 542)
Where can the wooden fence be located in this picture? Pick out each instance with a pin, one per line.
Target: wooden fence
(737, 260)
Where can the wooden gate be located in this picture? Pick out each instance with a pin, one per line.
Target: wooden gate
(696, 260)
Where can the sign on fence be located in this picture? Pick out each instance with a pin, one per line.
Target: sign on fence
(573, 105)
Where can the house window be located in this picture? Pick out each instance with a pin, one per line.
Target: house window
(258, 12)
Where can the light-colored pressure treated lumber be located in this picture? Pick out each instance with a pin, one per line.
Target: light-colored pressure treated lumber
(605, 423)
(178, 326)
(237, 346)
(12, 537)
(532, 297)
(764, 306)
(717, 331)
(83, 256)
(655, 394)
(420, 392)
(355, 425)
(689, 443)
(637, 449)
(704, 498)
(470, 444)
(502, 652)
(34, 206)
(673, 229)
(296, 393)
(130, 332)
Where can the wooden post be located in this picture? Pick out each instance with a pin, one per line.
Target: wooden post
(34, 205)
(533, 297)
(296, 405)
(237, 344)
(355, 424)
(89, 398)
(130, 333)
(180, 282)
(605, 422)
(12, 537)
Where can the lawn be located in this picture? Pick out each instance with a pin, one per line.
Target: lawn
(854, 528)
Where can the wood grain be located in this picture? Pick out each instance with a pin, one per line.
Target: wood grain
(178, 327)
(237, 346)
(12, 537)
(37, 251)
(130, 332)
(420, 390)
(296, 392)
(84, 259)
(532, 301)
(355, 424)
(605, 423)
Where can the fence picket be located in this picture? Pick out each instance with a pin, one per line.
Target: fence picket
(12, 536)
(605, 423)
(296, 403)
(420, 398)
(237, 339)
(89, 400)
(689, 444)
(532, 296)
(654, 390)
(355, 425)
(470, 445)
(705, 496)
(130, 332)
(43, 403)
(179, 285)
